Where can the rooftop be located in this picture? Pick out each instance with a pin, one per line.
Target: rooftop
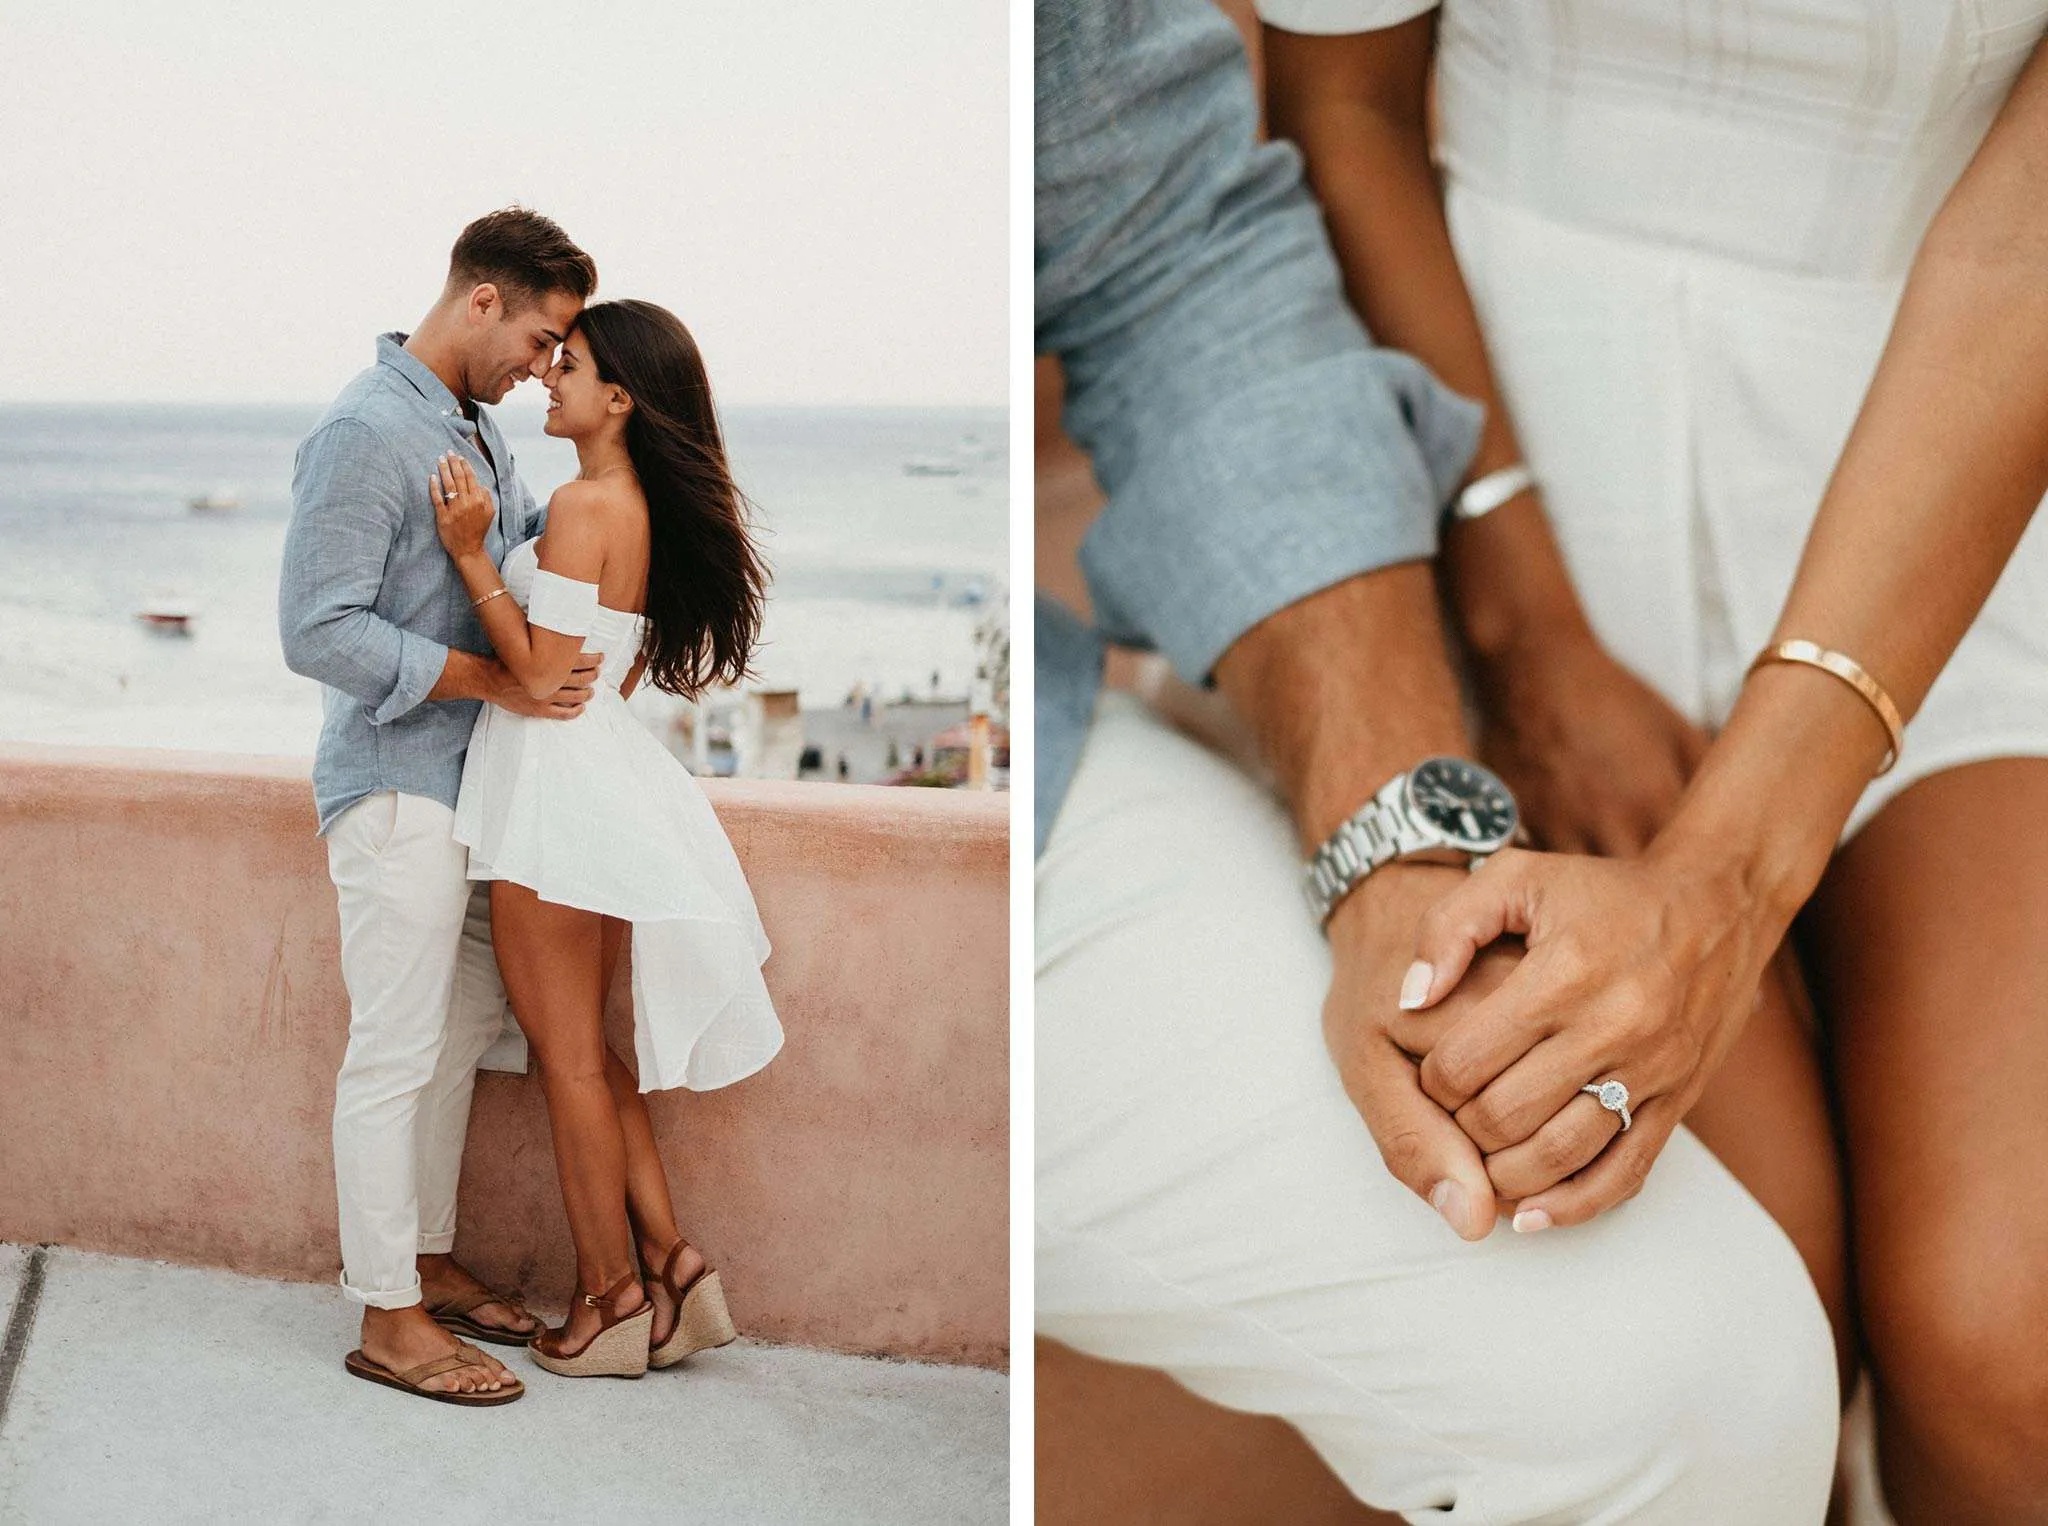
(144, 1391)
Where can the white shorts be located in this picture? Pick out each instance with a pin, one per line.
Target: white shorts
(1210, 1203)
(1684, 412)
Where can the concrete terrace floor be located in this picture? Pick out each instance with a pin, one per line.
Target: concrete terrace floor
(142, 1391)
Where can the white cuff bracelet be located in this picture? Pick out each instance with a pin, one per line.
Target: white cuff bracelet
(1491, 491)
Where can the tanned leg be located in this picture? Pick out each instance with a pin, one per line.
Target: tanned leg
(552, 961)
(1930, 943)
(647, 1195)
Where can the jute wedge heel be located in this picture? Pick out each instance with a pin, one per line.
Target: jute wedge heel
(702, 1320)
(618, 1350)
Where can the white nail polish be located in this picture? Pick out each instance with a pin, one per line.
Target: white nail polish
(1415, 985)
(1531, 1220)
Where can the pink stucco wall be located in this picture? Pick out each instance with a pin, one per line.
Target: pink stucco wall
(172, 1015)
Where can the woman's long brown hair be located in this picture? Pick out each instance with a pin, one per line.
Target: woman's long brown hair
(706, 582)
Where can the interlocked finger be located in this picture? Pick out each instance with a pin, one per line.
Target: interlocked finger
(1616, 1173)
(1532, 1091)
(1565, 1145)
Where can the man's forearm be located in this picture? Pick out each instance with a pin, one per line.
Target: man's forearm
(1345, 689)
(468, 676)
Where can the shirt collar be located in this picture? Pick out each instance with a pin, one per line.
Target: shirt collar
(391, 351)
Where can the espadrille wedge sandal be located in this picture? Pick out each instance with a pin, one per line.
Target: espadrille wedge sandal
(618, 1350)
(701, 1318)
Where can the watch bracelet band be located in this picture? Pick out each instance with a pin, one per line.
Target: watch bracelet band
(1375, 833)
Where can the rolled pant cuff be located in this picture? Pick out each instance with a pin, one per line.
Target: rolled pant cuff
(404, 1298)
(438, 1244)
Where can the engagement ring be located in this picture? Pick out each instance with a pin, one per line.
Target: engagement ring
(1614, 1097)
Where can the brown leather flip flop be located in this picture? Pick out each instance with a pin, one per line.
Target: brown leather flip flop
(454, 1315)
(409, 1381)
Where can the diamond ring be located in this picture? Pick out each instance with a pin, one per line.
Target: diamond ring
(1614, 1097)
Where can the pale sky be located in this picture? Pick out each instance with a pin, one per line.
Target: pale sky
(225, 203)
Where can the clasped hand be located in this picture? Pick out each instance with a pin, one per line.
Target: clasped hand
(1532, 978)
(1543, 973)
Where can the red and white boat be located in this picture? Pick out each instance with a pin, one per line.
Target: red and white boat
(170, 615)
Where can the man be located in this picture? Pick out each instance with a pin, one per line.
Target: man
(1213, 1073)
(372, 607)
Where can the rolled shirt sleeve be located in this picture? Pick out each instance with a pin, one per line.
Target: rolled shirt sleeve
(1254, 445)
(346, 514)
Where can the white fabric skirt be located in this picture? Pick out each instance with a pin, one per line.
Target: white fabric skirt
(595, 813)
(1684, 412)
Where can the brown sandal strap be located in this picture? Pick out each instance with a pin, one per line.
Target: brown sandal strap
(606, 1302)
(467, 1303)
(668, 1265)
(668, 1272)
(413, 1377)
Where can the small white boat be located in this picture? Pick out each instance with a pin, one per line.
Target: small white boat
(931, 466)
(172, 616)
(220, 501)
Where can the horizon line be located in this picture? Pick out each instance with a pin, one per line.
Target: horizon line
(288, 402)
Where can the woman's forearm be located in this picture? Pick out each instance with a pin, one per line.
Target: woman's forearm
(503, 621)
(1946, 464)
(1355, 106)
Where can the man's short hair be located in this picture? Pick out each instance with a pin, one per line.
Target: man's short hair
(524, 254)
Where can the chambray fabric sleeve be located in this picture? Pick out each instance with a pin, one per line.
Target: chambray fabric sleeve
(1254, 445)
(346, 514)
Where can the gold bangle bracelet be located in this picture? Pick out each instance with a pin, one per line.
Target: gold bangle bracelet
(480, 603)
(1851, 673)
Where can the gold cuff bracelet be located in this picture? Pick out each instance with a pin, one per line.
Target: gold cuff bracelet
(1851, 673)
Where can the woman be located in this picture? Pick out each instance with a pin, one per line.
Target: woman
(1686, 237)
(586, 826)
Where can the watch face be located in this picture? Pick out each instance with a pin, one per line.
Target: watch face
(1464, 802)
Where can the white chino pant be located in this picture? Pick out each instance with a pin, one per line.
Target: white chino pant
(1210, 1203)
(425, 1003)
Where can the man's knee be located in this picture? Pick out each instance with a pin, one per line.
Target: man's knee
(1678, 1365)
(1713, 1399)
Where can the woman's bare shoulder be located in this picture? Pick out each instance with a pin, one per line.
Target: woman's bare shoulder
(598, 500)
(588, 518)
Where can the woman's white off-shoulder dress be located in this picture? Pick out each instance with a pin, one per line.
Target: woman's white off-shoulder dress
(595, 813)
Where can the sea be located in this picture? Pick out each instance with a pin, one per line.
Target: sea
(886, 529)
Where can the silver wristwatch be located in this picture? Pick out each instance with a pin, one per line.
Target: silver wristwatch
(1446, 810)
